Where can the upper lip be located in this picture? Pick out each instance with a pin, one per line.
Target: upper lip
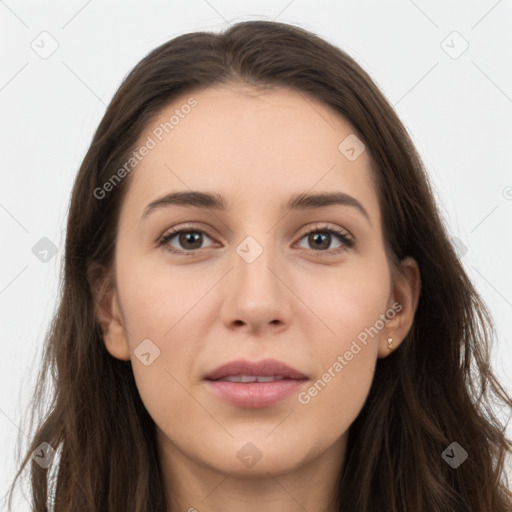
(263, 368)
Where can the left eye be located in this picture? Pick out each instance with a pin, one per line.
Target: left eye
(320, 238)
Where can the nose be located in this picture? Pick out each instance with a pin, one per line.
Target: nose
(256, 298)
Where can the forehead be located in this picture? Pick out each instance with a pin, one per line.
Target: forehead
(249, 145)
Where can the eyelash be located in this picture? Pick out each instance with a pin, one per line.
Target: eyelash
(345, 238)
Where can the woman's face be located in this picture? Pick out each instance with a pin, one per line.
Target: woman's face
(255, 279)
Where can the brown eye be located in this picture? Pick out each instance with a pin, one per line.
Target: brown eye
(320, 240)
(190, 239)
(187, 240)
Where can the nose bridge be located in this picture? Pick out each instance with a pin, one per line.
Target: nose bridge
(255, 257)
(254, 293)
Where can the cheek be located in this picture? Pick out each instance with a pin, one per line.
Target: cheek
(353, 306)
(157, 299)
(161, 317)
(351, 300)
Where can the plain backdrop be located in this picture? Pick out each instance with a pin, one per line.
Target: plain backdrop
(445, 66)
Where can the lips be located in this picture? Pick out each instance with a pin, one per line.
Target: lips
(254, 385)
(245, 371)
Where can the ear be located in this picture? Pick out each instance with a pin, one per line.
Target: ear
(406, 288)
(109, 315)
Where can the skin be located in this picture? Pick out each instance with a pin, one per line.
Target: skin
(293, 303)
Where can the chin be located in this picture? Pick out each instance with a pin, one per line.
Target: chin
(255, 456)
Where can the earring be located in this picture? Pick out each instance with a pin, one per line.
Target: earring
(390, 343)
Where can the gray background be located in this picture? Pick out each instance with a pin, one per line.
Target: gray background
(455, 102)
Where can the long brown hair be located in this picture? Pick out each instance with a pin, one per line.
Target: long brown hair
(435, 389)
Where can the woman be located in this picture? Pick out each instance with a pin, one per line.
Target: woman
(261, 309)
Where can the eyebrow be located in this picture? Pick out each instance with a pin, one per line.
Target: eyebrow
(214, 201)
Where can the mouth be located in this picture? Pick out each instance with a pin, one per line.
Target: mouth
(256, 371)
(250, 378)
(250, 385)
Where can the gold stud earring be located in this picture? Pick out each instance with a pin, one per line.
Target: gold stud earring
(390, 343)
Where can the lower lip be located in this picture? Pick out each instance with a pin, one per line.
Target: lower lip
(255, 395)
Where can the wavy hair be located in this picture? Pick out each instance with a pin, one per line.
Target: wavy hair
(436, 388)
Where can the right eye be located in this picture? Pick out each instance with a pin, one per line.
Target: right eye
(190, 239)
